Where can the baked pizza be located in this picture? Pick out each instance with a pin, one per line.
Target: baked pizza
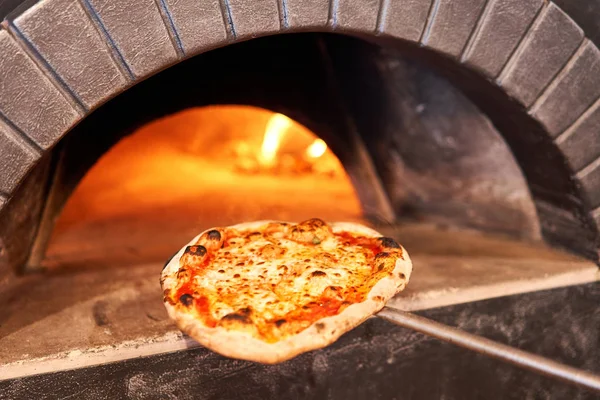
(267, 291)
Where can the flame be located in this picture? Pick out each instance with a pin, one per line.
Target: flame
(276, 128)
(316, 149)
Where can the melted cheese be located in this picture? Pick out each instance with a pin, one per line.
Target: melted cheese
(278, 280)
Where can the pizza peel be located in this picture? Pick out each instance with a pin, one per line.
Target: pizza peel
(492, 349)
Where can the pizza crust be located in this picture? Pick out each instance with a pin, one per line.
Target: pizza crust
(321, 333)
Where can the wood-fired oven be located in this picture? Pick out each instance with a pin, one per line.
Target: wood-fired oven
(467, 129)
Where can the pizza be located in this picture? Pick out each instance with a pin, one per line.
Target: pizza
(267, 291)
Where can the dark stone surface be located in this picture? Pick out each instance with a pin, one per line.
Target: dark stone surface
(85, 66)
(585, 13)
(377, 360)
(251, 17)
(307, 13)
(438, 156)
(16, 158)
(200, 24)
(591, 183)
(551, 41)
(563, 214)
(138, 31)
(572, 92)
(29, 99)
(405, 19)
(19, 219)
(451, 25)
(504, 23)
(581, 143)
(357, 15)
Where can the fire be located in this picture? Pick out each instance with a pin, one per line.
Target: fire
(316, 149)
(276, 128)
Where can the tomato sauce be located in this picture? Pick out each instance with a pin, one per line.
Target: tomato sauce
(370, 243)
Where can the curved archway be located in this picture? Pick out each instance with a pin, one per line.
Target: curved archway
(541, 88)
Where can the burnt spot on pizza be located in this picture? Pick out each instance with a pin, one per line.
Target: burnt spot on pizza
(237, 317)
(401, 275)
(213, 235)
(389, 243)
(236, 275)
(280, 322)
(197, 250)
(319, 326)
(314, 223)
(240, 264)
(245, 311)
(382, 255)
(221, 271)
(260, 263)
(318, 274)
(337, 274)
(186, 299)
(311, 231)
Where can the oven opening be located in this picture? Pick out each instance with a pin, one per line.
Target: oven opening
(306, 125)
(198, 168)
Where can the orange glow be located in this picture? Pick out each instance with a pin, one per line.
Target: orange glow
(174, 177)
(316, 149)
(276, 127)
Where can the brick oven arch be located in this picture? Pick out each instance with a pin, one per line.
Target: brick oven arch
(526, 64)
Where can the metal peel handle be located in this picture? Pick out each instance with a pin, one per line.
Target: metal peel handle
(493, 349)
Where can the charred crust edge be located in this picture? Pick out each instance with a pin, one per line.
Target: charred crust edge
(387, 242)
(196, 250)
(213, 234)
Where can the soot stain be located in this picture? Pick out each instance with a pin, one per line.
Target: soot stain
(99, 311)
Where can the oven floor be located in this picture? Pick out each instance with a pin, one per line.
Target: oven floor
(77, 317)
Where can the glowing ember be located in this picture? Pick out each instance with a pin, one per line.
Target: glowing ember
(276, 127)
(316, 149)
